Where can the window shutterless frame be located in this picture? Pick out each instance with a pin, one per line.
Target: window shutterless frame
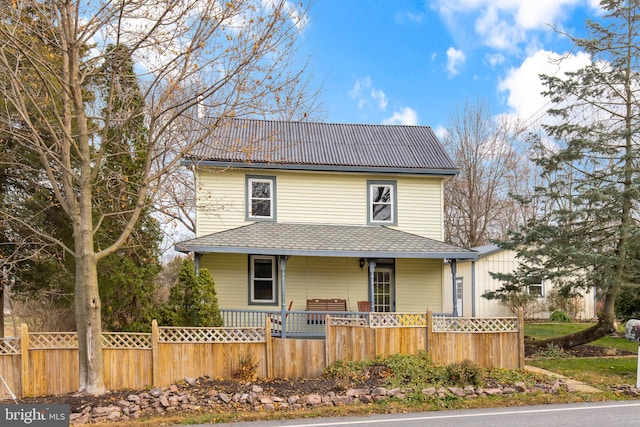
(382, 203)
(536, 289)
(260, 198)
(263, 283)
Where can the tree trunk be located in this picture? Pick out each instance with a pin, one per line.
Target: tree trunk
(87, 301)
(605, 326)
(88, 323)
(599, 330)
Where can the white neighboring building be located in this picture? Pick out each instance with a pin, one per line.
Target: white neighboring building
(492, 259)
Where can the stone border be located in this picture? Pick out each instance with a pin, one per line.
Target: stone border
(177, 398)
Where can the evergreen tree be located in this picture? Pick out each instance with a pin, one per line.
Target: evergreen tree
(126, 277)
(583, 239)
(192, 300)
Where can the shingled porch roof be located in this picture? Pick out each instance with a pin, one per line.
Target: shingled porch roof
(271, 238)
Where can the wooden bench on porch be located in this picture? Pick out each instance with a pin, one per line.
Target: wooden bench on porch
(330, 305)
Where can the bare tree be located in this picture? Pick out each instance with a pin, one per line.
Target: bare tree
(193, 58)
(478, 206)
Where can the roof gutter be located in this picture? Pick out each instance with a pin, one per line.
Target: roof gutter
(323, 168)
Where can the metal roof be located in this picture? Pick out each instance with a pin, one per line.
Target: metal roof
(487, 249)
(271, 238)
(320, 146)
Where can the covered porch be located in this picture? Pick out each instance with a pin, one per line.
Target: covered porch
(283, 266)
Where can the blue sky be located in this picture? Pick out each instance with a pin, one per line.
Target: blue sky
(413, 62)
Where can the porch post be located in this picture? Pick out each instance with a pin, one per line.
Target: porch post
(283, 310)
(196, 262)
(473, 289)
(455, 291)
(372, 267)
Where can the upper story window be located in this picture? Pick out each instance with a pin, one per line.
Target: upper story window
(261, 197)
(382, 205)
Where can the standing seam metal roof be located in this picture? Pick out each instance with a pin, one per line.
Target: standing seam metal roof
(327, 144)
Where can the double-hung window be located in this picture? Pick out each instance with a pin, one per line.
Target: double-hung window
(262, 279)
(261, 196)
(382, 202)
(536, 289)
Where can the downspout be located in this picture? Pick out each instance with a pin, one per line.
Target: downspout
(283, 310)
(473, 289)
(372, 267)
(455, 291)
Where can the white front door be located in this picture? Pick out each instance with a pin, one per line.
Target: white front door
(383, 291)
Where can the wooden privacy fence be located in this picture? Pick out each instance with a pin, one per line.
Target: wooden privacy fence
(489, 342)
(39, 364)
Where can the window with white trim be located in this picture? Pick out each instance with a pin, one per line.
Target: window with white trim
(536, 289)
(262, 279)
(382, 207)
(261, 192)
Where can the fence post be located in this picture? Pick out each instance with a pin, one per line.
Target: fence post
(429, 331)
(155, 368)
(269, 343)
(25, 378)
(521, 338)
(327, 341)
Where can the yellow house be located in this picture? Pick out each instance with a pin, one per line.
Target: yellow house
(292, 212)
(473, 279)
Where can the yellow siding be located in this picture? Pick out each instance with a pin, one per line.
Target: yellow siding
(418, 282)
(312, 197)
(418, 285)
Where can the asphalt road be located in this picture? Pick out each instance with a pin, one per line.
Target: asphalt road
(605, 414)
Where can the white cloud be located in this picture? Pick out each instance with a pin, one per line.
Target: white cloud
(405, 117)
(503, 24)
(364, 92)
(358, 86)
(455, 60)
(494, 59)
(523, 85)
(441, 132)
(380, 97)
(413, 17)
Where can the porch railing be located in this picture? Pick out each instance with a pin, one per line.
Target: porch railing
(296, 323)
(310, 324)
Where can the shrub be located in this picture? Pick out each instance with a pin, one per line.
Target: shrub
(464, 373)
(515, 300)
(192, 301)
(560, 300)
(628, 304)
(560, 316)
(407, 370)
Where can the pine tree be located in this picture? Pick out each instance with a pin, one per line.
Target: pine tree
(583, 239)
(192, 300)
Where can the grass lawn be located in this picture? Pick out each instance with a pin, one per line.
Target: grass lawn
(600, 372)
(542, 331)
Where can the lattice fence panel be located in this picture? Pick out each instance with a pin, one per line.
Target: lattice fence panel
(211, 335)
(126, 340)
(390, 320)
(465, 324)
(45, 340)
(349, 321)
(10, 346)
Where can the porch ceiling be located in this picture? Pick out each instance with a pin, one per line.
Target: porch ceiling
(272, 238)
